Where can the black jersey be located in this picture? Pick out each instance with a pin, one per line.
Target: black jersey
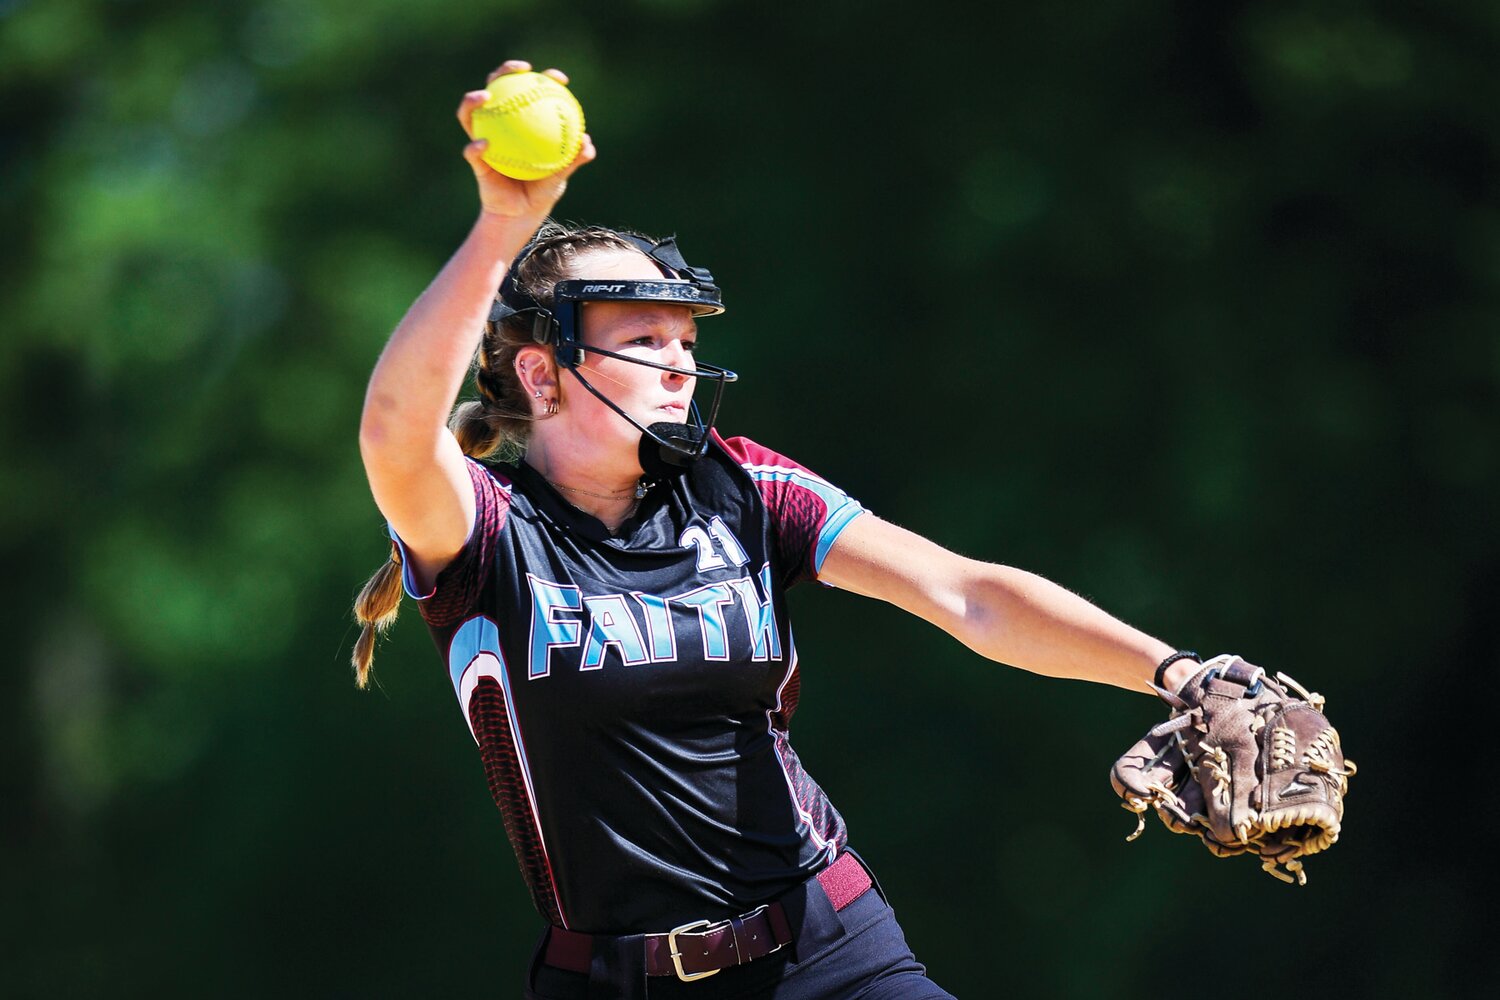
(630, 694)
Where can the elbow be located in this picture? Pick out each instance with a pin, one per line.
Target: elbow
(985, 611)
(374, 429)
(377, 412)
(374, 453)
(386, 434)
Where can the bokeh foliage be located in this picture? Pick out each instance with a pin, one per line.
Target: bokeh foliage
(1191, 307)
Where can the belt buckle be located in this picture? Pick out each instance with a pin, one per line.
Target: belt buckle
(699, 925)
(682, 973)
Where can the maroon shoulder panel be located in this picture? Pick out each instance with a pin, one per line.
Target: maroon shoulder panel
(798, 513)
(458, 586)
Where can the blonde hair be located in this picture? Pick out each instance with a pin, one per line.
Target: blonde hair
(498, 422)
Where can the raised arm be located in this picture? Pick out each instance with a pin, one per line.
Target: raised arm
(1000, 612)
(415, 467)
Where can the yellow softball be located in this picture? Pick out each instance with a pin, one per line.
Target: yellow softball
(533, 123)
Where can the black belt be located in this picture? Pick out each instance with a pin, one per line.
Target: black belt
(698, 949)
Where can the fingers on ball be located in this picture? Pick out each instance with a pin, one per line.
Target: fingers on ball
(510, 66)
(474, 152)
(586, 153)
(472, 100)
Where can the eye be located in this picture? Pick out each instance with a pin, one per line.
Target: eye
(689, 345)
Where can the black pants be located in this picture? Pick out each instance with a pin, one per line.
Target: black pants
(857, 952)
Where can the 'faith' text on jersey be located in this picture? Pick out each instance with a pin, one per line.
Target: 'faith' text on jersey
(640, 626)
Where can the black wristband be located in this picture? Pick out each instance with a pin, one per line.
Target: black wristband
(1181, 654)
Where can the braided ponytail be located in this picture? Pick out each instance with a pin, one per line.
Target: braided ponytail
(498, 423)
(375, 609)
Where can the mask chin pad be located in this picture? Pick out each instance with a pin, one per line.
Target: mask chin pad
(673, 453)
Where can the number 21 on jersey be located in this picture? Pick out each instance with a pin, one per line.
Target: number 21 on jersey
(703, 541)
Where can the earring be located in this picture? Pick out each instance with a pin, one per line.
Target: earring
(537, 394)
(551, 407)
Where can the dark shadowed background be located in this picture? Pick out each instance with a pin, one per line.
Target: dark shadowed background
(1191, 307)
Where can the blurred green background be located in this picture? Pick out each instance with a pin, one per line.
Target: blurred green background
(1193, 308)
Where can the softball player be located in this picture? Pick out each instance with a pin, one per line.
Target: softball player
(610, 604)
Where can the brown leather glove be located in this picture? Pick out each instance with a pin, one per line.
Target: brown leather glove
(1244, 764)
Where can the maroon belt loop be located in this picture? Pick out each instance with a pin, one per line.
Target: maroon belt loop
(569, 950)
(741, 939)
(780, 926)
(701, 948)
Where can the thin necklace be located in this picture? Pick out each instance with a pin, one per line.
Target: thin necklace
(635, 499)
(638, 491)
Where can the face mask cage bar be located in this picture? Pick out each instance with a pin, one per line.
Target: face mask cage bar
(561, 328)
(673, 452)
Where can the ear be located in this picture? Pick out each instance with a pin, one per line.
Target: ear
(535, 368)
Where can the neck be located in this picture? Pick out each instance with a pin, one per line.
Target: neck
(590, 483)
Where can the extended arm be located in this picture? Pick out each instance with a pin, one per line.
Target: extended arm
(1000, 612)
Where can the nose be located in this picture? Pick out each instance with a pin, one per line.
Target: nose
(678, 356)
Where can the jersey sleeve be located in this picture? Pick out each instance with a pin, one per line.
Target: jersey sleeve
(458, 586)
(807, 511)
